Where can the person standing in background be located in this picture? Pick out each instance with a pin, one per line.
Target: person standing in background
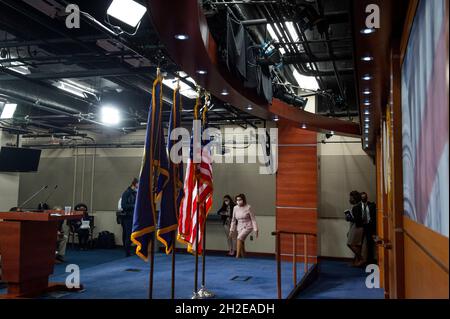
(128, 201)
(369, 214)
(226, 212)
(355, 235)
(244, 222)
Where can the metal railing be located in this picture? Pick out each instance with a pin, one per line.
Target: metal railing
(294, 254)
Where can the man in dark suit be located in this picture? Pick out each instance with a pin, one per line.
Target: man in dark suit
(369, 213)
(127, 202)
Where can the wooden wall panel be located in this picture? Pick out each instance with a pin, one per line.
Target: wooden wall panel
(296, 198)
(297, 176)
(426, 262)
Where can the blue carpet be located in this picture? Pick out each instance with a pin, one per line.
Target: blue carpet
(337, 280)
(105, 274)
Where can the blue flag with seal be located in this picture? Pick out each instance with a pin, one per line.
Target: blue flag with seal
(144, 218)
(171, 189)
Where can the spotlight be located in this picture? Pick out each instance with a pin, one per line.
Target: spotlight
(8, 111)
(110, 115)
(127, 11)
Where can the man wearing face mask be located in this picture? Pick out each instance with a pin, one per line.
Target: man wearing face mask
(226, 212)
(246, 223)
(370, 227)
(128, 201)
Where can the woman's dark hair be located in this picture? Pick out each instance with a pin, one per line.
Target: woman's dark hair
(242, 196)
(224, 206)
(356, 196)
(229, 198)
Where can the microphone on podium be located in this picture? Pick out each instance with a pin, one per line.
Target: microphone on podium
(44, 205)
(19, 208)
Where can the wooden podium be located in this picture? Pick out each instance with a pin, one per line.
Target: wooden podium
(27, 247)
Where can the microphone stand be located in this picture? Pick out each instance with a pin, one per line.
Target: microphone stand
(19, 208)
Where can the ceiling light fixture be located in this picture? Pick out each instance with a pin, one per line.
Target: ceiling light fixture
(110, 115)
(368, 30)
(202, 72)
(367, 58)
(367, 77)
(181, 37)
(127, 11)
(8, 111)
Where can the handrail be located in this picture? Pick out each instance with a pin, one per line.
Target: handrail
(294, 254)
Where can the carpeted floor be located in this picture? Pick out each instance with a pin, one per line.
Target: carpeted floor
(106, 274)
(337, 280)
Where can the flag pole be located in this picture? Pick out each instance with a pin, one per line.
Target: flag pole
(203, 247)
(173, 264)
(203, 292)
(152, 267)
(195, 296)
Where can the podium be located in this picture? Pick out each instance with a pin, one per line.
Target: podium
(27, 247)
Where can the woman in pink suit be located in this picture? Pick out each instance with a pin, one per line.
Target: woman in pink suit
(246, 223)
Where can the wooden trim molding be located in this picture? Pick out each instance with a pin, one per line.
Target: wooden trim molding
(410, 15)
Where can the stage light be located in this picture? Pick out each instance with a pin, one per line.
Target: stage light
(367, 77)
(366, 120)
(249, 108)
(110, 115)
(367, 92)
(366, 102)
(366, 112)
(367, 58)
(127, 11)
(8, 111)
(202, 72)
(224, 92)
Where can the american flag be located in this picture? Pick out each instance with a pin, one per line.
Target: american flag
(198, 190)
